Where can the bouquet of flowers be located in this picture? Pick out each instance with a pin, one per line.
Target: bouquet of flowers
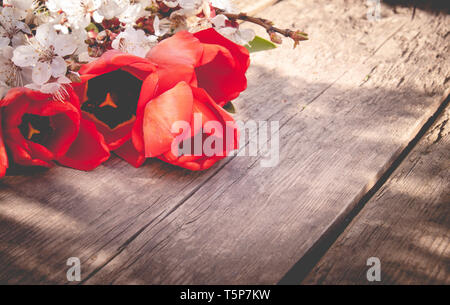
(144, 79)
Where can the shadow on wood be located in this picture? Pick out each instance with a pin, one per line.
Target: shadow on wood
(348, 102)
(428, 5)
(50, 216)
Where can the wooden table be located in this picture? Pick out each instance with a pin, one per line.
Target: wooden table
(363, 172)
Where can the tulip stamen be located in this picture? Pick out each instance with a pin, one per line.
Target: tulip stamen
(112, 98)
(36, 128)
(108, 102)
(32, 131)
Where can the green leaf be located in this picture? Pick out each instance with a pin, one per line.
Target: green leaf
(229, 107)
(92, 27)
(260, 44)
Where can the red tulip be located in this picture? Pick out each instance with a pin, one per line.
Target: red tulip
(3, 155)
(37, 130)
(110, 93)
(204, 125)
(134, 107)
(206, 60)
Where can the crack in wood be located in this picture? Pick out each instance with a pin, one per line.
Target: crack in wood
(311, 258)
(441, 131)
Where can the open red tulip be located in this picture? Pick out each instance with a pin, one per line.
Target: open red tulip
(110, 93)
(37, 130)
(206, 60)
(185, 127)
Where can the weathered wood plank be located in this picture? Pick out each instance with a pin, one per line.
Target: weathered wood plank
(377, 84)
(115, 211)
(252, 7)
(51, 216)
(406, 224)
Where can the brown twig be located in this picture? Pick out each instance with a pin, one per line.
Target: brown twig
(297, 36)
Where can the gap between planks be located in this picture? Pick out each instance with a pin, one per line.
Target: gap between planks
(405, 224)
(306, 264)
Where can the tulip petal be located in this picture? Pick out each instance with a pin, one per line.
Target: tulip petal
(65, 119)
(113, 138)
(129, 153)
(113, 60)
(227, 136)
(148, 92)
(223, 66)
(3, 155)
(211, 36)
(23, 157)
(169, 76)
(181, 49)
(220, 76)
(88, 151)
(40, 152)
(161, 113)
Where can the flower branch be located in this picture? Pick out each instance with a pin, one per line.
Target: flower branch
(273, 31)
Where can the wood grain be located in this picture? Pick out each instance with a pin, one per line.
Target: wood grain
(252, 7)
(406, 224)
(249, 224)
(238, 222)
(47, 217)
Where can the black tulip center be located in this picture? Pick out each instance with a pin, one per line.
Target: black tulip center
(112, 98)
(36, 128)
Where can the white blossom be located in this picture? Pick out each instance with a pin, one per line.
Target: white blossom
(11, 75)
(225, 5)
(110, 9)
(79, 38)
(56, 87)
(59, 26)
(60, 23)
(45, 54)
(187, 18)
(171, 3)
(133, 12)
(23, 9)
(134, 42)
(78, 12)
(190, 7)
(12, 30)
(161, 27)
(237, 35)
